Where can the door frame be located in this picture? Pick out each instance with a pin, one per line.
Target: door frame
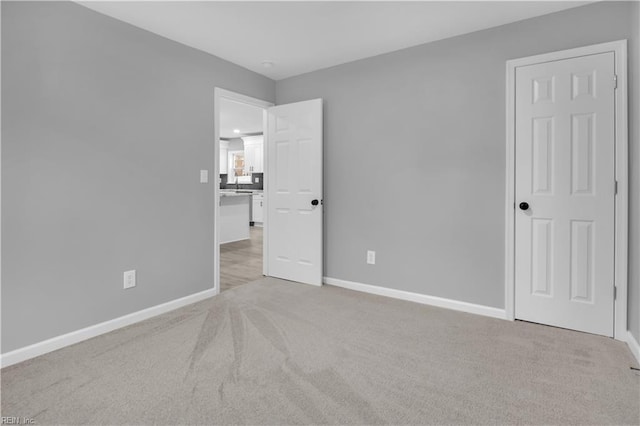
(218, 95)
(619, 48)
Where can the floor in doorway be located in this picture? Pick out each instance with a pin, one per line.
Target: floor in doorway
(241, 261)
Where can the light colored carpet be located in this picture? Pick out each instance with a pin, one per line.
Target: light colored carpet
(276, 352)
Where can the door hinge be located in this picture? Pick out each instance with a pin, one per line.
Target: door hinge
(615, 293)
(615, 188)
(615, 81)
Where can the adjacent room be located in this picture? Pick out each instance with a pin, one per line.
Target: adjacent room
(332, 212)
(241, 202)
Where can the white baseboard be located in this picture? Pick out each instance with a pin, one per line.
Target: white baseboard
(419, 298)
(235, 241)
(58, 342)
(633, 346)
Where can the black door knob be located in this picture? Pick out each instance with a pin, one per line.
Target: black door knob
(524, 206)
(314, 202)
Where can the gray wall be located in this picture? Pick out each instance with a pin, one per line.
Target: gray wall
(415, 154)
(105, 129)
(236, 144)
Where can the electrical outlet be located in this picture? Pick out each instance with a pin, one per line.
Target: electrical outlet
(204, 176)
(130, 279)
(371, 257)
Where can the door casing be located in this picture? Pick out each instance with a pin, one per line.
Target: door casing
(218, 95)
(619, 48)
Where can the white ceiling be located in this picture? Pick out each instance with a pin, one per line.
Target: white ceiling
(300, 37)
(234, 115)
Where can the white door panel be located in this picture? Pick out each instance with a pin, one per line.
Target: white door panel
(565, 153)
(294, 143)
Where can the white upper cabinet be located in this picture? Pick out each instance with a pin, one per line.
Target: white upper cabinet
(224, 157)
(254, 154)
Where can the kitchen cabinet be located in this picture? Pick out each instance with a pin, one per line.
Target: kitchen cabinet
(224, 157)
(253, 154)
(234, 217)
(258, 209)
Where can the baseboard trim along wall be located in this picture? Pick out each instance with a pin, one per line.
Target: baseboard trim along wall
(59, 342)
(633, 346)
(419, 298)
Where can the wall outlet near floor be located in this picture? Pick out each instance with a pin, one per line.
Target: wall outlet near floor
(371, 257)
(204, 176)
(130, 279)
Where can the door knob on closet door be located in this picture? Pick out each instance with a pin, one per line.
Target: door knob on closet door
(314, 202)
(524, 206)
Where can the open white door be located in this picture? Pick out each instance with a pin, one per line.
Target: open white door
(294, 192)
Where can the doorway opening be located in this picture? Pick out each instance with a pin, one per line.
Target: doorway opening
(240, 222)
(289, 153)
